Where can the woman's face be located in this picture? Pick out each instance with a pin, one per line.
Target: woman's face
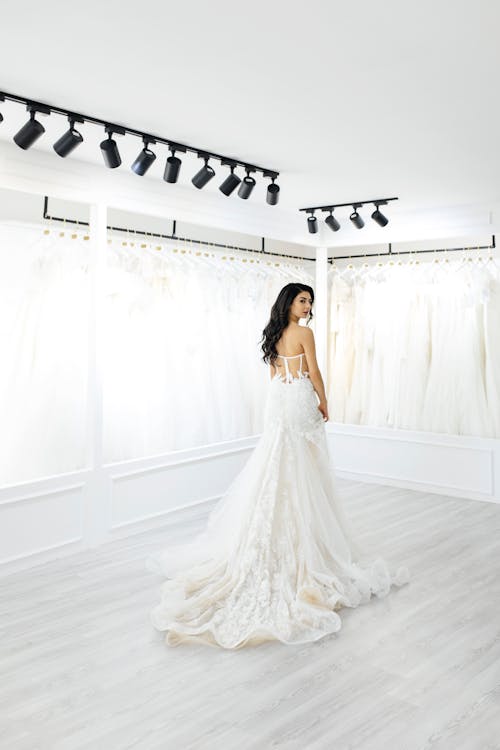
(301, 305)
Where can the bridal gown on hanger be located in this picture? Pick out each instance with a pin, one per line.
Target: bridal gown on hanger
(276, 559)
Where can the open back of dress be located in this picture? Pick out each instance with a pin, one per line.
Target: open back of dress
(290, 368)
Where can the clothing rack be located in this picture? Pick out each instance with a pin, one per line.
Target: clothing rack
(173, 236)
(262, 251)
(405, 252)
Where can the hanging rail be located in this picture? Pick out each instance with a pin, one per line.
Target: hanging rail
(406, 252)
(173, 236)
(262, 251)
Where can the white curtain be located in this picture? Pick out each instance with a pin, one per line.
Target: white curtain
(181, 364)
(182, 356)
(417, 345)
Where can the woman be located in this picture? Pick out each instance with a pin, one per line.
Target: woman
(277, 558)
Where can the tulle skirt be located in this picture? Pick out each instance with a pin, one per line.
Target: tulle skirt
(277, 559)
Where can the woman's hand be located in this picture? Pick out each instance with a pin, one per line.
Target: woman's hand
(323, 407)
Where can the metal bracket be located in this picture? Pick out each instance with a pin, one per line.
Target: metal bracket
(75, 118)
(40, 108)
(116, 129)
(173, 146)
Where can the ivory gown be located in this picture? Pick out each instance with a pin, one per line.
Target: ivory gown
(277, 559)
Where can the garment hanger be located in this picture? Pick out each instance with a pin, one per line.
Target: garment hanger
(345, 272)
(462, 261)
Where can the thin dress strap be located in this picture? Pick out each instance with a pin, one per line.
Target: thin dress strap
(287, 371)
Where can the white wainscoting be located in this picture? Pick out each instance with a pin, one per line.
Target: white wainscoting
(39, 519)
(58, 516)
(141, 496)
(431, 462)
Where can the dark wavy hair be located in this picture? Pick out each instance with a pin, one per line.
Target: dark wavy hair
(278, 319)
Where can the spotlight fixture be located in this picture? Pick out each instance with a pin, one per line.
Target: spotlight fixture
(356, 218)
(205, 174)
(332, 222)
(273, 192)
(109, 147)
(145, 158)
(173, 164)
(232, 180)
(70, 139)
(312, 223)
(33, 129)
(379, 217)
(247, 185)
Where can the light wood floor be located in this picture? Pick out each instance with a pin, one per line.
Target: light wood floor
(81, 666)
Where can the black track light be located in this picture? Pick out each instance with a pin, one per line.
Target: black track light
(312, 223)
(172, 167)
(204, 175)
(332, 222)
(356, 218)
(273, 193)
(69, 140)
(230, 183)
(109, 149)
(30, 132)
(144, 159)
(246, 186)
(379, 217)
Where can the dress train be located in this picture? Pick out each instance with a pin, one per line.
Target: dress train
(277, 558)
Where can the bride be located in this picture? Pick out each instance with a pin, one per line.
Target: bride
(277, 558)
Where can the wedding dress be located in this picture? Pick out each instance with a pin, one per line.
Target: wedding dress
(277, 558)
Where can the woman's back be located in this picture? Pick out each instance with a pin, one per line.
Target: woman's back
(291, 360)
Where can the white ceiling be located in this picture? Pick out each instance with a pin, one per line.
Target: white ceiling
(348, 101)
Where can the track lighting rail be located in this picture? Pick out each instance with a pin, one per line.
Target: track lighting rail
(64, 146)
(354, 204)
(35, 106)
(357, 220)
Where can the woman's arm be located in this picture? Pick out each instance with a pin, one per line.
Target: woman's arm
(313, 368)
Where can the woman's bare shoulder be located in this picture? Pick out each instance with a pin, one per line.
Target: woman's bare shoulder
(306, 333)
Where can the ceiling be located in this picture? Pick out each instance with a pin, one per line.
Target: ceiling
(348, 101)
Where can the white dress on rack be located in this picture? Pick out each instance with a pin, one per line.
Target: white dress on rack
(277, 559)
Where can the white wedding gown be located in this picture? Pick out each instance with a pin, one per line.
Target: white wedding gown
(277, 559)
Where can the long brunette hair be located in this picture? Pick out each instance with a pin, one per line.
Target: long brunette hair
(278, 319)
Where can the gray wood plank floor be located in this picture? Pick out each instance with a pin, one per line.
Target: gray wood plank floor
(83, 668)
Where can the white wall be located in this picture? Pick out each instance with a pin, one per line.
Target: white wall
(56, 516)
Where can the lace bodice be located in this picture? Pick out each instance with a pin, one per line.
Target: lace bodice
(290, 375)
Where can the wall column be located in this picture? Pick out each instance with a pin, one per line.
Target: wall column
(321, 308)
(97, 496)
